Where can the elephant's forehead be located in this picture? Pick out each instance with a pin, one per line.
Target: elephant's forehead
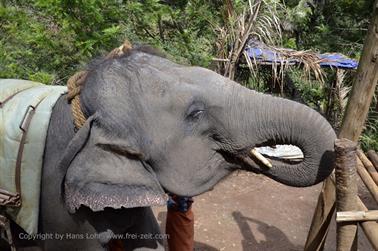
(181, 82)
(163, 77)
(169, 86)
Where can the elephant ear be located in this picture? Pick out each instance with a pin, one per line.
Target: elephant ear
(101, 172)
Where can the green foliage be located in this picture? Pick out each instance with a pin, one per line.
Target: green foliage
(48, 40)
(300, 14)
(35, 46)
(186, 33)
(334, 25)
(256, 82)
(369, 138)
(312, 92)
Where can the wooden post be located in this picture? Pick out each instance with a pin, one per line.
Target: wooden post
(357, 109)
(346, 192)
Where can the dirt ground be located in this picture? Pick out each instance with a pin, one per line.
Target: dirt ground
(250, 212)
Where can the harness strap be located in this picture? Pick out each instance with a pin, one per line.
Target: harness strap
(14, 199)
(2, 102)
(24, 126)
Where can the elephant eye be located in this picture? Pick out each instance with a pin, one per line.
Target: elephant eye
(195, 111)
(195, 114)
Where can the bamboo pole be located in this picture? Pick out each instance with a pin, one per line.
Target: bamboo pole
(357, 109)
(373, 156)
(367, 180)
(322, 216)
(368, 165)
(346, 192)
(371, 215)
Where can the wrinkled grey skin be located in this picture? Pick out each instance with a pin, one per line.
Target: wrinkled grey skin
(154, 127)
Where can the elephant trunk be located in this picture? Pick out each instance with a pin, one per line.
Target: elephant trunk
(278, 121)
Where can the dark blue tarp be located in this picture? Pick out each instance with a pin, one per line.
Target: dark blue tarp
(265, 55)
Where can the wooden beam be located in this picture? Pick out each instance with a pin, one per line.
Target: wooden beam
(368, 165)
(322, 216)
(346, 192)
(367, 180)
(357, 108)
(373, 156)
(371, 215)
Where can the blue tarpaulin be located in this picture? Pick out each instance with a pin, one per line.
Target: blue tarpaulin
(338, 60)
(268, 56)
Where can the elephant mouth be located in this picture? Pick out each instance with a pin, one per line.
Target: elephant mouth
(289, 153)
(267, 156)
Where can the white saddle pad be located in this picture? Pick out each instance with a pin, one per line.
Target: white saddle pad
(25, 93)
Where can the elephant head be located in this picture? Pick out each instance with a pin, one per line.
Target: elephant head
(155, 126)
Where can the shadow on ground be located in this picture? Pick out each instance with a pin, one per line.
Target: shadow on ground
(252, 212)
(249, 241)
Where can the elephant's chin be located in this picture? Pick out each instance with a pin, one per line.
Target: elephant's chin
(185, 187)
(98, 196)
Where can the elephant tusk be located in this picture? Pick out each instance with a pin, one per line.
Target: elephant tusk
(260, 157)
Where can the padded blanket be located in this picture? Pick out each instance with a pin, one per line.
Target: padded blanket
(23, 94)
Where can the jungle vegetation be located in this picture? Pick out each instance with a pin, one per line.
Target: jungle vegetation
(48, 40)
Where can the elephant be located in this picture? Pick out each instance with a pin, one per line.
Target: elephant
(155, 127)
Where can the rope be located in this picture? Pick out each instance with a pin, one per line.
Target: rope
(76, 82)
(117, 52)
(74, 85)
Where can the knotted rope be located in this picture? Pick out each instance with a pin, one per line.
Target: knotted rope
(76, 82)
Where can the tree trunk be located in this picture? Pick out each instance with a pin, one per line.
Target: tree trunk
(364, 85)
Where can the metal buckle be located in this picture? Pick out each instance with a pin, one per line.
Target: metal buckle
(26, 115)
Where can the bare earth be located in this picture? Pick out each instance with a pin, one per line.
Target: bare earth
(250, 212)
